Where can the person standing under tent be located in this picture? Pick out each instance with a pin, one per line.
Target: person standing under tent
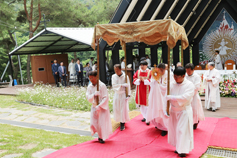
(218, 63)
(91, 62)
(79, 71)
(156, 112)
(180, 126)
(71, 68)
(63, 74)
(100, 121)
(122, 63)
(142, 91)
(87, 69)
(94, 67)
(120, 102)
(211, 80)
(148, 61)
(54, 67)
(198, 114)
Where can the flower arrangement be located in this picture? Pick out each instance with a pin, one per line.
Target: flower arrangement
(228, 88)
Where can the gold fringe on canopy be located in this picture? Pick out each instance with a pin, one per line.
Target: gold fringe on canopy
(149, 32)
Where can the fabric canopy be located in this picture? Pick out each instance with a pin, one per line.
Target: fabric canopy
(149, 32)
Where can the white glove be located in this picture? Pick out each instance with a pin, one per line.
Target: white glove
(146, 82)
(97, 93)
(137, 82)
(125, 85)
(170, 97)
(127, 98)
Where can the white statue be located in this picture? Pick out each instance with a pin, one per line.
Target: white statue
(223, 49)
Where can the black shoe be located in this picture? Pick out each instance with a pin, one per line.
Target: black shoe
(163, 133)
(148, 123)
(101, 141)
(122, 126)
(210, 109)
(143, 120)
(195, 126)
(182, 155)
(213, 110)
(176, 152)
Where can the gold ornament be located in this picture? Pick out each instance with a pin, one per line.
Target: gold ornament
(155, 73)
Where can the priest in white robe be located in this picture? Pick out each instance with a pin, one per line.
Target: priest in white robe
(198, 114)
(218, 63)
(100, 121)
(211, 81)
(71, 69)
(156, 112)
(120, 102)
(180, 126)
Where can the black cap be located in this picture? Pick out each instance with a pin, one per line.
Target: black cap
(143, 63)
(143, 58)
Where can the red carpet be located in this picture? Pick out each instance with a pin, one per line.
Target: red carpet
(142, 141)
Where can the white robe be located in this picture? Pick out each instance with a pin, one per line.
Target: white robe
(218, 63)
(100, 121)
(120, 105)
(198, 113)
(180, 126)
(71, 68)
(212, 92)
(156, 111)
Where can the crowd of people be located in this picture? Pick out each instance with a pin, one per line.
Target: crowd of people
(179, 121)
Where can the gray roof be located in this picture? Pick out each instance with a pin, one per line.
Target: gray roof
(55, 40)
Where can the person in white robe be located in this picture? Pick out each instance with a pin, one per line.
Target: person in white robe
(94, 67)
(211, 80)
(180, 125)
(120, 102)
(71, 69)
(156, 112)
(100, 121)
(148, 61)
(198, 114)
(218, 63)
(91, 62)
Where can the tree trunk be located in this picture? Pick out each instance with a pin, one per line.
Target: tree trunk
(75, 56)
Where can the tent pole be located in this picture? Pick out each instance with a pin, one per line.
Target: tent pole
(5, 70)
(168, 83)
(182, 54)
(98, 67)
(11, 69)
(125, 57)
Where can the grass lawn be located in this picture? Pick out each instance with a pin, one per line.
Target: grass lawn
(72, 98)
(13, 140)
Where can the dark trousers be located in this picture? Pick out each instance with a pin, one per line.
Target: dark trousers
(80, 78)
(56, 79)
(64, 79)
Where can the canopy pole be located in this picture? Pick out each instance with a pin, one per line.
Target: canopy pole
(98, 67)
(125, 57)
(168, 83)
(182, 53)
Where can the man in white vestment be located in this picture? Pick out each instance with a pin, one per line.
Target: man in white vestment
(91, 62)
(218, 63)
(148, 61)
(180, 126)
(198, 114)
(211, 81)
(120, 103)
(94, 67)
(71, 69)
(156, 112)
(100, 121)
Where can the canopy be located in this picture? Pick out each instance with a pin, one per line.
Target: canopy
(54, 40)
(149, 32)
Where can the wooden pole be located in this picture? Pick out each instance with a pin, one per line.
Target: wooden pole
(168, 83)
(98, 66)
(182, 54)
(125, 57)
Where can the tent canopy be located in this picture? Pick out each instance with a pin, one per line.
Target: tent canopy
(149, 32)
(54, 40)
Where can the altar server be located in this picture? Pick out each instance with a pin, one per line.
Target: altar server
(198, 114)
(100, 114)
(142, 91)
(211, 81)
(180, 126)
(120, 103)
(218, 63)
(156, 112)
